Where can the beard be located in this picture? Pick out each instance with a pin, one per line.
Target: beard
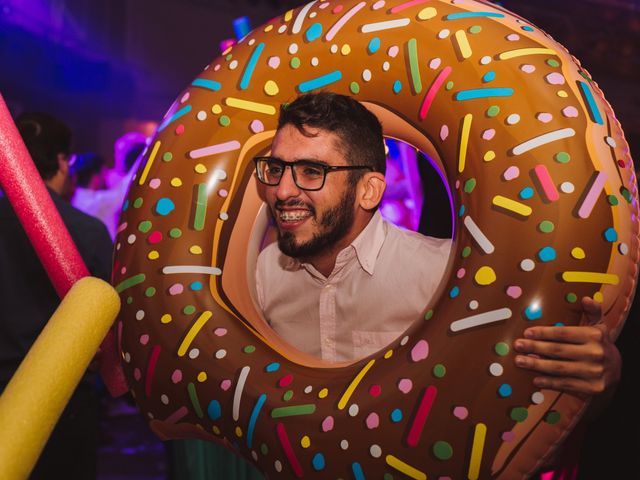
(333, 226)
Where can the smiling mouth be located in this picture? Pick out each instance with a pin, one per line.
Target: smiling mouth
(286, 216)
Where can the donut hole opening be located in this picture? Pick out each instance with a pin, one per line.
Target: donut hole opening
(416, 198)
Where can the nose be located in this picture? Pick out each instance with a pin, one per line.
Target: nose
(287, 187)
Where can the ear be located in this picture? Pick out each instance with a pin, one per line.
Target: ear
(63, 164)
(370, 189)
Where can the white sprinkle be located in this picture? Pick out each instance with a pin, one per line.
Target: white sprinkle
(443, 34)
(366, 74)
(220, 354)
(496, 369)
(623, 248)
(375, 451)
(164, 399)
(527, 265)
(139, 314)
(537, 398)
(353, 410)
(486, 60)
(193, 353)
(344, 444)
(567, 187)
(480, 319)
(513, 119)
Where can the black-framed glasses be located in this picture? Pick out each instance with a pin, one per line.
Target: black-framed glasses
(307, 174)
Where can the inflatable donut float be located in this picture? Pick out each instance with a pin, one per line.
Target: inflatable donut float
(545, 201)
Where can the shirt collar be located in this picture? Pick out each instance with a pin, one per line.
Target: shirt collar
(367, 246)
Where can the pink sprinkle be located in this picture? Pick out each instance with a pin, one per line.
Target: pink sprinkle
(274, 62)
(220, 332)
(256, 126)
(137, 374)
(378, 5)
(508, 436)
(460, 412)
(420, 351)
(154, 237)
(444, 132)
(393, 51)
(144, 339)
(405, 385)
(225, 384)
(123, 270)
(217, 67)
(488, 134)
(514, 291)
(555, 78)
(337, 9)
(179, 129)
(327, 424)
(176, 376)
(375, 390)
(435, 63)
(372, 420)
(570, 112)
(223, 193)
(185, 97)
(544, 117)
(444, 478)
(285, 381)
(511, 173)
(527, 68)
(176, 289)
(460, 273)
(513, 37)
(154, 183)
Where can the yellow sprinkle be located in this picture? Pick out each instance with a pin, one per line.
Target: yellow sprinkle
(268, 28)
(288, 16)
(202, 376)
(251, 106)
(346, 49)
(166, 318)
(479, 436)
(193, 331)
(195, 249)
(463, 44)
(227, 50)
(271, 88)
(216, 109)
(591, 277)
(323, 393)
(153, 255)
(200, 168)
(464, 141)
(490, 155)
(354, 384)
(147, 166)
(521, 52)
(485, 276)
(427, 13)
(598, 297)
(238, 432)
(388, 354)
(305, 442)
(176, 182)
(216, 430)
(578, 253)
(562, 94)
(405, 468)
(512, 205)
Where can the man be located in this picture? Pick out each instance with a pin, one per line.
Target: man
(338, 268)
(28, 298)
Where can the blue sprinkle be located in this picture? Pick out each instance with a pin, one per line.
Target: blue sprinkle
(397, 86)
(547, 254)
(374, 45)
(314, 32)
(396, 415)
(195, 286)
(558, 324)
(527, 28)
(461, 211)
(357, 471)
(455, 291)
(318, 462)
(125, 206)
(505, 390)
(164, 206)
(610, 235)
(533, 312)
(214, 410)
(489, 76)
(526, 193)
(272, 367)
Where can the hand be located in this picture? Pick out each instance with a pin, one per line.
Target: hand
(582, 360)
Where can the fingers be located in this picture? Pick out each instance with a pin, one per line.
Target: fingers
(574, 335)
(592, 311)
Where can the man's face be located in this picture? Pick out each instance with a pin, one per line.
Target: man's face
(311, 222)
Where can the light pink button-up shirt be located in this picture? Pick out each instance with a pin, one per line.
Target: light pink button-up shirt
(381, 283)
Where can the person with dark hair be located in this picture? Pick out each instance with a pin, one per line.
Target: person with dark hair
(28, 298)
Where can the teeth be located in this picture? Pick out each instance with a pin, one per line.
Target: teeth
(294, 216)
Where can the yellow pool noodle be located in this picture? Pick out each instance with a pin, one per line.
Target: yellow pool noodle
(38, 392)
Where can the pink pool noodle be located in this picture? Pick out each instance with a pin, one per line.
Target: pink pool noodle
(25, 190)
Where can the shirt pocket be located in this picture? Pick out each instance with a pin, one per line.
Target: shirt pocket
(367, 342)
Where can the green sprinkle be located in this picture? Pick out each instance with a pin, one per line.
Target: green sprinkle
(546, 226)
(288, 395)
(175, 233)
(130, 282)
(469, 185)
(552, 417)
(501, 348)
(466, 251)
(224, 121)
(354, 87)
(167, 156)
(264, 448)
(129, 300)
(294, 410)
(493, 111)
(519, 414)
(144, 226)
(428, 315)
(562, 157)
(295, 62)
(439, 371)
(228, 57)
(249, 349)
(475, 29)
(449, 85)
(150, 292)
(188, 310)
(442, 450)
(552, 62)
(137, 203)
(612, 199)
(626, 194)
(571, 297)
(387, 476)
